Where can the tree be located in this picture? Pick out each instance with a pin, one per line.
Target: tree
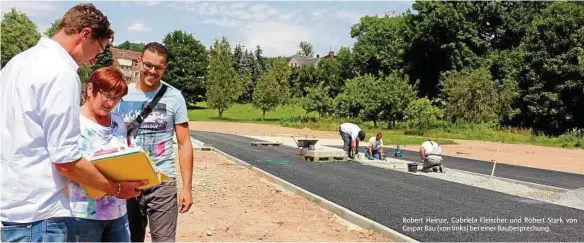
(18, 33)
(451, 35)
(84, 73)
(471, 96)
(187, 64)
(306, 49)
(52, 30)
(272, 88)
(396, 95)
(376, 99)
(504, 67)
(224, 84)
(328, 72)
(348, 103)
(318, 100)
(105, 60)
(347, 65)
(551, 84)
(249, 66)
(260, 62)
(303, 78)
(421, 114)
(380, 44)
(137, 47)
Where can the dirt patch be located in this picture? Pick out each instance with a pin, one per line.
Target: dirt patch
(232, 203)
(567, 160)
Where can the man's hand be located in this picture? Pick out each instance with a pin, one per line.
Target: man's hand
(185, 201)
(129, 189)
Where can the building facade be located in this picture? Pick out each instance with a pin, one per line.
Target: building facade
(127, 62)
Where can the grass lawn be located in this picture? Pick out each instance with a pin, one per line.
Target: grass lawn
(244, 113)
(295, 116)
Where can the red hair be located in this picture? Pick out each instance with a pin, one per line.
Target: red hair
(108, 79)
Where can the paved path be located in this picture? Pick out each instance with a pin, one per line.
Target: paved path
(392, 198)
(522, 173)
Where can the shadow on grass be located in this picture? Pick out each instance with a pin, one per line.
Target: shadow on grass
(195, 107)
(227, 119)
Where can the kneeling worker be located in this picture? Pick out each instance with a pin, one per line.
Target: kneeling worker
(351, 135)
(375, 147)
(431, 154)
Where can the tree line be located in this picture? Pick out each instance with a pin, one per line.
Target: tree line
(501, 63)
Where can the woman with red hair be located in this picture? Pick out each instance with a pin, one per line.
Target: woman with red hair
(104, 219)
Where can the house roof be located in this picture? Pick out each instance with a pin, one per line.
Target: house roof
(121, 53)
(302, 60)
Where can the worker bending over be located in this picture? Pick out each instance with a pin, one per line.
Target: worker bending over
(351, 135)
(431, 154)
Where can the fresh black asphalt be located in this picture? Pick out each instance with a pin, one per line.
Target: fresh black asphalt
(395, 198)
(521, 173)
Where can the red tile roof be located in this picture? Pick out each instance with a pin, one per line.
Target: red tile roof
(121, 53)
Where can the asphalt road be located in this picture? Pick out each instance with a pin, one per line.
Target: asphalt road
(409, 203)
(521, 173)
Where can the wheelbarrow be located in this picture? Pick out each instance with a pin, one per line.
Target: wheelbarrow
(304, 144)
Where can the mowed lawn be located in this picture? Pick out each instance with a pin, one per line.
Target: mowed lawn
(245, 113)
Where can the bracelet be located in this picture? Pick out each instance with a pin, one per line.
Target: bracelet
(119, 189)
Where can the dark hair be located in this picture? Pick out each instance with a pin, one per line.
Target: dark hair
(361, 135)
(83, 16)
(156, 48)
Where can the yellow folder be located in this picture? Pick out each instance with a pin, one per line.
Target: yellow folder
(131, 164)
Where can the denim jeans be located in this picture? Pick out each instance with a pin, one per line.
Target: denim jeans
(49, 230)
(89, 230)
(375, 153)
(346, 142)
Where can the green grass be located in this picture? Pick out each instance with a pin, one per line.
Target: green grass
(295, 116)
(244, 113)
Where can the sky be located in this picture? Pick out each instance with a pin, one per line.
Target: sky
(277, 26)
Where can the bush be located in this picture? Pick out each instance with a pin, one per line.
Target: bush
(421, 114)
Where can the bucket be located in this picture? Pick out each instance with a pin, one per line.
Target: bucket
(412, 167)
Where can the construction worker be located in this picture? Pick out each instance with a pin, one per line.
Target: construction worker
(351, 135)
(431, 154)
(375, 148)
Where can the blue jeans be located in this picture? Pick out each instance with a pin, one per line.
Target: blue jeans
(49, 230)
(375, 153)
(89, 230)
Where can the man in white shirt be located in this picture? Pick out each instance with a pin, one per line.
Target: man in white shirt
(431, 154)
(351, 135)
(375, 148)
(39, 130)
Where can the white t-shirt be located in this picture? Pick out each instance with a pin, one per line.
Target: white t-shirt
(374, 144)
(39, 127)
(351, 129)
(432, 148)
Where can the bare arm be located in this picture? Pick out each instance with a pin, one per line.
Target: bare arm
(422, 153)
(185, 153)
(84, 172)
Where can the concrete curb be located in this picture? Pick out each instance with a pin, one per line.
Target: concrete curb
(525, 183)
(342, 212)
